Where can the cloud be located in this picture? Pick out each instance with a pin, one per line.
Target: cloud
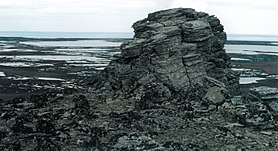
(199, 5)
(75, 15)
(238, 16)
(76, 6)
(246, 17)
(245, 4)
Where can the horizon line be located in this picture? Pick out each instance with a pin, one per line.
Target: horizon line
(119, 32)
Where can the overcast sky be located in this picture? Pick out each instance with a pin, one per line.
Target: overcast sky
(238, 16)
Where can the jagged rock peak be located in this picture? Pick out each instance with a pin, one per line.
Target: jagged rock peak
(173, 52)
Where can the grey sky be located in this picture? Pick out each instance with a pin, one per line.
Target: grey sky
(238, 16)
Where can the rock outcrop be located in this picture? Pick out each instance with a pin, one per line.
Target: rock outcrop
(172, 53)
(263, 102)
(170, 89)
(259, 109)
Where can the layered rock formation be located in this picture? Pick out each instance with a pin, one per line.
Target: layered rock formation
(170, 89)
(173, 52)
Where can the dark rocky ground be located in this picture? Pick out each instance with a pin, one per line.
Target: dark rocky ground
(124, 112)
(74, 122)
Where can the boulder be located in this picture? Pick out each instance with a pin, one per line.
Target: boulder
(265, 95)
(258, 109)
(215, 95)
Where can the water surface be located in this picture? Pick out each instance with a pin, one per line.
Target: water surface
(252, 49)
(2, 74)
(79, 43)
(249, 80)
(250, 37)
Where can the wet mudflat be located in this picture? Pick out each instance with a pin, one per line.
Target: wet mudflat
(258, 64)
(40, 65)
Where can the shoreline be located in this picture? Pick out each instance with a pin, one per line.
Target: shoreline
(228, 42)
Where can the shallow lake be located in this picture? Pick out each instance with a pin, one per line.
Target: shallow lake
(249, 80)
(79, 43)
(55, 58)
(252, 49)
